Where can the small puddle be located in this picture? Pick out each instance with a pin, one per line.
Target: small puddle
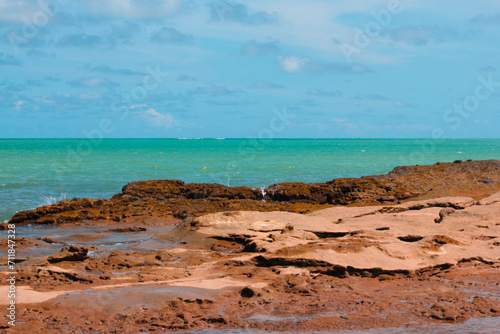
(125, 272)
(97, 236)
(477, 325)
(481, 293)
(293, 318)
(273, 318)
(118, 299)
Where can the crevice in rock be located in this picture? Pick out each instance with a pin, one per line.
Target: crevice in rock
(325, 235)
(419, 206)
(265, 231)
(239, 239)
(478, 259)
(343, 272)
(433, 270)
(411, 238)
(262, 261)
(326, 268)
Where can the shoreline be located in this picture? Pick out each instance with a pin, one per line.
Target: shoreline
(174, 199)
(310, 257)
(230, 162)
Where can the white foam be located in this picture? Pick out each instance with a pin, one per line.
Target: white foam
(263, 192)
(49, 200)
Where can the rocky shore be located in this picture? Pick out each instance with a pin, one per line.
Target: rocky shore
(420, 245)
(152, 202)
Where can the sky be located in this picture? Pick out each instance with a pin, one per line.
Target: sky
(249, 69)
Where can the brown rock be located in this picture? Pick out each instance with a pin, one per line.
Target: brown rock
(247, 292)
(444, 311)
(219, 319)
(71, 253)
(443, 213)
(20, 242)
(48, 240)
(484, 306)
(160, 200)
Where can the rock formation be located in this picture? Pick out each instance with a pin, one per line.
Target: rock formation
(162, 200)
(425, 251)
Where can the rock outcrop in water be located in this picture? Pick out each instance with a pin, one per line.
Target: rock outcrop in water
(160, 200)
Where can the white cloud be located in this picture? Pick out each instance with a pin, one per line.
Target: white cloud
(224, 10)
(401, 104)
(297, 64)
(134, 8)
(19, 105)
(158, 120)
(339, 120)
(255, 49)
(319, 92)
(138, 106)
(493, 19)
(211, 89)
(168, 35)
(421, 35)
(93, 82)
(90, 96)
(347, 125)
(265, 85)
(293, 64)
(6, 59)
(15, 11)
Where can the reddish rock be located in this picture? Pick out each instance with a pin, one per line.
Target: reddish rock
(166, 200)
(71, 253)
(444, 310)
(19, 242)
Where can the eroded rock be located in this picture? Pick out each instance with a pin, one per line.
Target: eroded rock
(313, 268)
(160, 200)
(71, 253)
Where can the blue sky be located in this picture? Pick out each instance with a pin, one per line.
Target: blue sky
(260, 68)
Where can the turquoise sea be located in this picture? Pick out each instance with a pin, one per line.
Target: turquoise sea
(36, 172)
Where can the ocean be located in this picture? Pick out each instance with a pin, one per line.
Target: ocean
(35, 172)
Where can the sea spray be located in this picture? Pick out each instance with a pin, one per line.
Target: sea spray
(49, 200)
(263, 193)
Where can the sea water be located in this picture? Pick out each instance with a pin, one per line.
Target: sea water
(35, 172)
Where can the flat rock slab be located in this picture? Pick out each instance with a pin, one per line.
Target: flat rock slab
(404, 237)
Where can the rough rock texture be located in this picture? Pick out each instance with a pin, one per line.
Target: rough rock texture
(404, 182)
(151, 202)
(336, 268)
(70, 253)
(383, 240)
(318, 267)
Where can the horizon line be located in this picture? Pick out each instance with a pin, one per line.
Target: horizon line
(249, 138)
